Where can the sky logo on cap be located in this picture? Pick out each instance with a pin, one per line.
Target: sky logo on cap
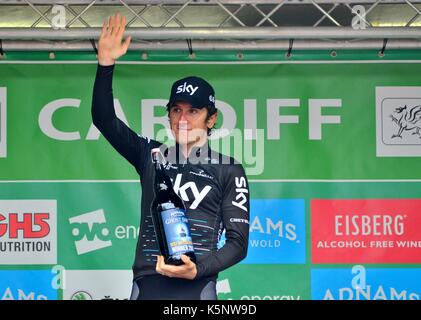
(187, 88)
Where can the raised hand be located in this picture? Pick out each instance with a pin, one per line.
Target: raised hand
(110, 45)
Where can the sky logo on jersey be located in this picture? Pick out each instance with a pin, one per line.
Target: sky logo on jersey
(366, 284)
(3, 123)
(90, 232)
(198, 195)
(27, 285)
(28, 232)
(366, 230)
(277, 231)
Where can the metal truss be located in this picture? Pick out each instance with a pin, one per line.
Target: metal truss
(214, 24)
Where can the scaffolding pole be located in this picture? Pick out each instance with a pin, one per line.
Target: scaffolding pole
(244, 33)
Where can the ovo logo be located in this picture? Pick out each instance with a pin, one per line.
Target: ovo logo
(90, 232)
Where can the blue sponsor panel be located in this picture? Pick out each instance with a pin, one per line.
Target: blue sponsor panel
(27, 285)
(277, 231)
(360, 283)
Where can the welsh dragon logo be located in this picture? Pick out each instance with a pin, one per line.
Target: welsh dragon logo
(407, 119)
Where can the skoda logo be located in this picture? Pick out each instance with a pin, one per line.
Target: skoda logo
(81, 295)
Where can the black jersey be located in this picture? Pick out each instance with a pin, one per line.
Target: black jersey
(213, 186)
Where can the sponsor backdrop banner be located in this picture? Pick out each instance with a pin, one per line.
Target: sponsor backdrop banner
(332, 152)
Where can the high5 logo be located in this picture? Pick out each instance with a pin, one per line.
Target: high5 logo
(30, 225)
(28, 231)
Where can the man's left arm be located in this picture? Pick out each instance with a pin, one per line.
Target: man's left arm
(235, 215)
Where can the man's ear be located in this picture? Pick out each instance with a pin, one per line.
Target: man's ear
(212, 119)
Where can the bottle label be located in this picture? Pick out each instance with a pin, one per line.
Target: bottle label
(177, 231)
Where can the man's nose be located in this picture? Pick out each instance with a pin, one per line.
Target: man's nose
(183, 117)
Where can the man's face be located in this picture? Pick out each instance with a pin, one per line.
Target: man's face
(188, 124)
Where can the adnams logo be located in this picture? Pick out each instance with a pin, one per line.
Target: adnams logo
(277, 231)
(365, 284)
(27, 285)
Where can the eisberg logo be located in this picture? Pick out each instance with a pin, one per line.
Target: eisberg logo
(90, 232)
(398, 121)
(28, 232)
(187, 88)
(366, 230)
(277, 231)
(3, 123)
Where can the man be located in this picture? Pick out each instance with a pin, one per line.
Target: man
(213, 187)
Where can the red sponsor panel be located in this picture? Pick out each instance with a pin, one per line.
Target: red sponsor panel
(366, 230)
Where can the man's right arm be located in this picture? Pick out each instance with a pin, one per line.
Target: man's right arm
(120, 136)
(111, 47)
